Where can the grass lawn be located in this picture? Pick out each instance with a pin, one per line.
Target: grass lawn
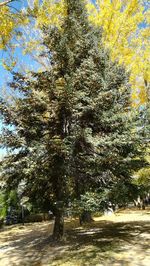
(118, 240)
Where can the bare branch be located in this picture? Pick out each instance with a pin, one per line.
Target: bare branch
(6, 2)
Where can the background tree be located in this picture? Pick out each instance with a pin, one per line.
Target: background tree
(144, 178)
(7, 24)
(126, 34)
(12, 21)
(2, 206)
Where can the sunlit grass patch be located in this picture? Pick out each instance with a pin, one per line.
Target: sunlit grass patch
(122, 239)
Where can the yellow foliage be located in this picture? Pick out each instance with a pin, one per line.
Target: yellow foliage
(9, 65)
(51, 12)
(6, 26)
(127, 42)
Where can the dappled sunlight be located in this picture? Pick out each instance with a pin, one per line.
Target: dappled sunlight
(126, 215)
(119, 240)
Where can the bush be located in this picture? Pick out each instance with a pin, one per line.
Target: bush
(97, 214)
(38, 217)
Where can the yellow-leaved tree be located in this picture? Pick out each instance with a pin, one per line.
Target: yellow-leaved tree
(7, 24)
(10, 19)
(126, 35)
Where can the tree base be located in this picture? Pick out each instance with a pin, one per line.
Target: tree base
(58, 231)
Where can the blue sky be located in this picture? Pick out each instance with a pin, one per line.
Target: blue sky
(5, 76)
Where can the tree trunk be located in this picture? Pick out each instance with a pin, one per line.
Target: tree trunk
(58, 230)
(143, 204)
(85, 217)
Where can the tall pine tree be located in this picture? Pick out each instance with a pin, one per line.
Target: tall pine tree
(72, 125)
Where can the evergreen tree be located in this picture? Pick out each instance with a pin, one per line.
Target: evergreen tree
(72, 125)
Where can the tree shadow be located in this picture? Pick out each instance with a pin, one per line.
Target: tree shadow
(25, 247)
(108, 238)
(101, 242)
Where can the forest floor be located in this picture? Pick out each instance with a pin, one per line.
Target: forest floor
(121, 239)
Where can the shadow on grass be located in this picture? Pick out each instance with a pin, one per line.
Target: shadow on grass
(101, 243)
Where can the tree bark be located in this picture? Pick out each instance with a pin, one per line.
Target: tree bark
(142, 204)
(58, 230)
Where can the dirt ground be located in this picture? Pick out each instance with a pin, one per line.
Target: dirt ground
(122, 239)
